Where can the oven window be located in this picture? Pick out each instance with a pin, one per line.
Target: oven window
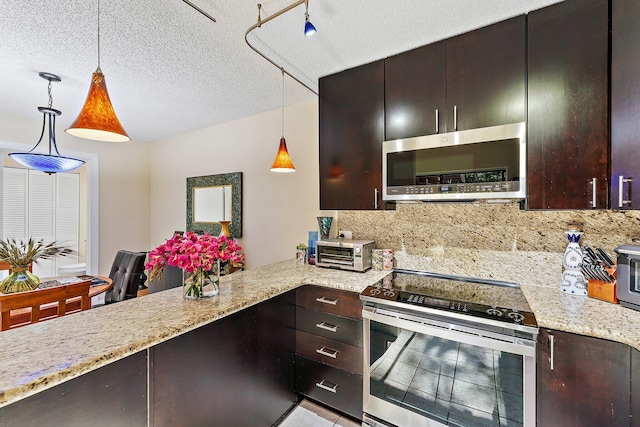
(454, 383)
(634, 274)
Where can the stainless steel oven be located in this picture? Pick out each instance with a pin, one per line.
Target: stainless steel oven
(443, 351)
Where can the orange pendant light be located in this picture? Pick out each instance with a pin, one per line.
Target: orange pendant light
(282, 162)
(97, 119)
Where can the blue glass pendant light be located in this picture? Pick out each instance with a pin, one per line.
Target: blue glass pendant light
(309, 29)
(48, 163)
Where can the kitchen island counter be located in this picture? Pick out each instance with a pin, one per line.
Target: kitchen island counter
(40, 356)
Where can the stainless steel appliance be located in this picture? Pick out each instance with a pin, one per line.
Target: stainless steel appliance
(344, 254)
(628, 276)
(486, 163)
(448, 351)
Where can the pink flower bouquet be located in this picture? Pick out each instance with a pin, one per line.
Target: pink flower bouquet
(196, 254)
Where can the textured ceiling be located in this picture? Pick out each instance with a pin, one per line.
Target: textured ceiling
(170, 70)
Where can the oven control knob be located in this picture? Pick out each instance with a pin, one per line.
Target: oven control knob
(494, 311)
(465, 308)
(356, 250)
(517, 317)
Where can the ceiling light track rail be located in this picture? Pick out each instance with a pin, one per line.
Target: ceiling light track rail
(265, 20)
(200, 10)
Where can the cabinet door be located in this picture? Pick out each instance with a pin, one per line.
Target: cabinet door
(568, 137)
(635, 388)
(415, 92)
(486, 76)
(351, 110)
(625, 104)
(582, 381)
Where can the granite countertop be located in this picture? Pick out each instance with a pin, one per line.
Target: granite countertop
(42, 355)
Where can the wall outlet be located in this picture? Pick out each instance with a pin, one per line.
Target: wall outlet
(345, 234)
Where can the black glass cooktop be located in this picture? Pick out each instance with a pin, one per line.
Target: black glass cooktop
(488, 299)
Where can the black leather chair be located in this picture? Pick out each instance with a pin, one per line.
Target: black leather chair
(127, 273)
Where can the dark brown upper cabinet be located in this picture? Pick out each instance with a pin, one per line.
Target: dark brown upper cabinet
(351, 109)
(625, 105)
(486, 74)
(568, 119)
(481, 75)
(415, 92)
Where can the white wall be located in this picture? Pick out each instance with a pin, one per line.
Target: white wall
(278, 209)
(124, 185)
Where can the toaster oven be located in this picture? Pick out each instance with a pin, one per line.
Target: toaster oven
(344, 254)
(628, 276)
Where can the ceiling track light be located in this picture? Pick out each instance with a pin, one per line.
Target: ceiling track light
(309, 28)
(48, 163)
(282, 162)
(97, 119)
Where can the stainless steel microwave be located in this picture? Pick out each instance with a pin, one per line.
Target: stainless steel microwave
(485, 163)
(344, 254)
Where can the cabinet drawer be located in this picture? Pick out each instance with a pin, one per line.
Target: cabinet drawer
(335, 301)
(330, 352)
(348, 331)
(334, 387)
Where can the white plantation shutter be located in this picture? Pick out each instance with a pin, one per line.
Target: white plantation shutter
(42, 206)
(67, 215)
(41, 216)
(14, 218)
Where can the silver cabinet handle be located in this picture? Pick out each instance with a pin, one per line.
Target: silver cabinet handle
(327, 301)
(327, 352)
(333, 388)
(455, 117)
(594, 186)
(327, 326)
(375, 198)
(551, 350)
(437, 121)
(621, 199)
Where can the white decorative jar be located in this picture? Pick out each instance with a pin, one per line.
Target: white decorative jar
(573, 281)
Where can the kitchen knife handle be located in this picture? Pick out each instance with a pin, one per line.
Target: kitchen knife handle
(594, 186)
(551, 350)
(437, 121)
(621, 199)
(455, 117)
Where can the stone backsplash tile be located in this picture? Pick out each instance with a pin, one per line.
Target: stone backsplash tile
(497, 240)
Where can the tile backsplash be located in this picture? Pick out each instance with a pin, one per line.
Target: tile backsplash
(490, 240)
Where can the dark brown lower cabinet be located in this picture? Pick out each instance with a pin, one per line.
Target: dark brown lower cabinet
(236, 371)
(112, 396)
(582, 381)
(635, 388)
(334, 387)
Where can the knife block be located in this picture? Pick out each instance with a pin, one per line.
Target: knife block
(605, 291)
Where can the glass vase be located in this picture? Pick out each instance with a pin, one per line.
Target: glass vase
(324, 225)
(200, 283)
(20, 280)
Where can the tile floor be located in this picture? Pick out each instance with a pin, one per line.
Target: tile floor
(309, 414)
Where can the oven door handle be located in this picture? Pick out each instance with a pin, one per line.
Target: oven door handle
(479, 338)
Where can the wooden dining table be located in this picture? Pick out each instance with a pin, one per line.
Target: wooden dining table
(72, 305)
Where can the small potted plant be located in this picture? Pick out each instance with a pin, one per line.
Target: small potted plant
(20, 256)
(301, 253)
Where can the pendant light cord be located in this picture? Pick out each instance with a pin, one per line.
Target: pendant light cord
(98, 33)
(282, 69)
